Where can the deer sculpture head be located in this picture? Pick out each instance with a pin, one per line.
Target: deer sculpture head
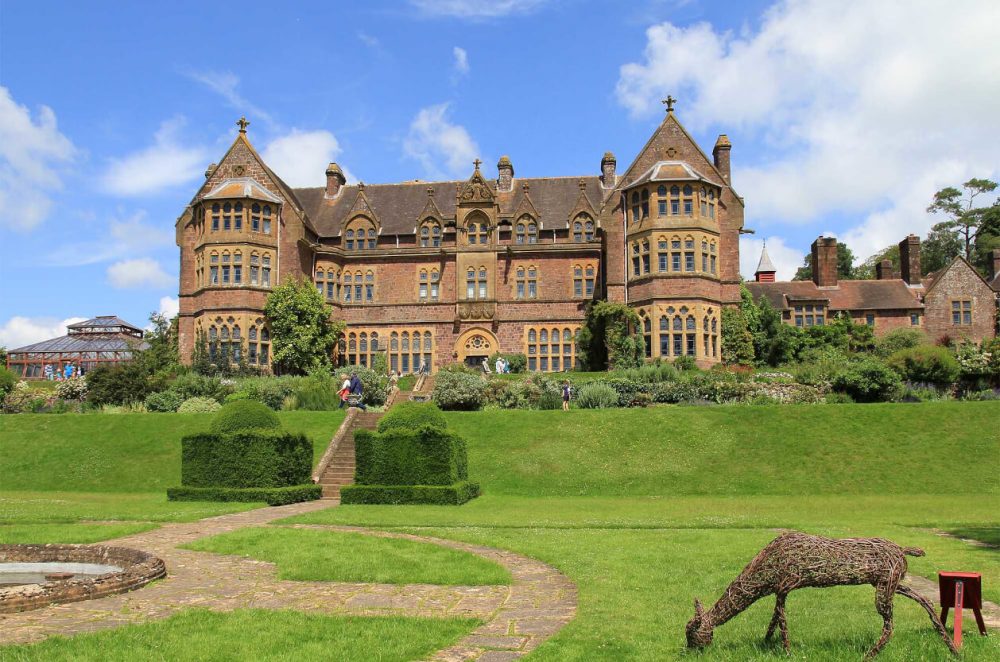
(698, 629)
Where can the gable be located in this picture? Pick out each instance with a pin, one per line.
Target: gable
(958, 279)
(671, 142)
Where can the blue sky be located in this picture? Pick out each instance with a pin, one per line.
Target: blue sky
(842, 121)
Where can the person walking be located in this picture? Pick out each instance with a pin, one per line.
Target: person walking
(499, 365)
(345, 390)
(358, 389)
(567, 394)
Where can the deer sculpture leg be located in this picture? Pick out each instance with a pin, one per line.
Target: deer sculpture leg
(883, 605)
(929, 608)
(778, 620)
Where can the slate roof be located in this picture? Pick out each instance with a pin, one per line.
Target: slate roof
(398, 206)
(893, 294)
(765, 265)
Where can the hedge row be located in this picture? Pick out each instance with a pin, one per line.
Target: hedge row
(252, 458)
(442, 495)
(272, 496)
(426, 456)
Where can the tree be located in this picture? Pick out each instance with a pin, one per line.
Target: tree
(162, 354)
(866, 270)
(939, 249)
(303, 334)
(964, 219)
(609, 338)
(845, 264)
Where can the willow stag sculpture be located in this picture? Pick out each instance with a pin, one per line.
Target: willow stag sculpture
(798, 560)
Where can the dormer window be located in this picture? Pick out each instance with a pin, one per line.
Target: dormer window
(526, 231)
(430, 234)
(360, 235)
(583, 228)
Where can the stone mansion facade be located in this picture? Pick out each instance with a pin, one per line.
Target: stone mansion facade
(439, 272)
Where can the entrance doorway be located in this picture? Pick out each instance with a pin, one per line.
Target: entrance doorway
(475, 345)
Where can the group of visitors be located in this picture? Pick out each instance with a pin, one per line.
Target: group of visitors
(502, 366)
(351, 386)
(57, 374)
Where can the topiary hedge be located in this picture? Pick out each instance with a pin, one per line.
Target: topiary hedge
(272, 496)
(244, 415)
(249, 458)
(441, 495)
(425, 456)
(412, 415)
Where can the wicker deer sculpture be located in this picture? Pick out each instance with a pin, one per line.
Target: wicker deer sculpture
(798, 560)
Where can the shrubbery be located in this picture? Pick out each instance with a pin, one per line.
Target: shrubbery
(117, 385)
(411, 416)
(438, 495)
(316, 393)
(7, 381)
(459, 391)
(198, 405)
(272, 496)
(248, 458)
(926, 364)
(244, 415)
(164, 401)
(74, 388)
(596, 395)
(899, 339)
(868, 380)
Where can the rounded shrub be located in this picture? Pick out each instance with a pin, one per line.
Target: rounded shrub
(927, 364)
(164, 401)
(412, 415)
(899, 339)
(868, 380)
(198, 405)
(7, 381)
(596, 395)
(459, 390)
(244, 415)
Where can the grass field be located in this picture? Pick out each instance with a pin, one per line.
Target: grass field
(644, 509)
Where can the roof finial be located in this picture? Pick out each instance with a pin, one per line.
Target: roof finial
(669, 103)
(243, 123)
(361, 187)
(477, 163)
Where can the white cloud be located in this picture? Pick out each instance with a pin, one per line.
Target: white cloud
(461, 61)
(20, 331)
(140, 272)
(169, 307)
(300, 157)
(370, 41)
(476, 9)
(123, 237)
(32, 150)
(785, 258)
(225, 84)
(442, 148)
(163, 164)
(865, 108)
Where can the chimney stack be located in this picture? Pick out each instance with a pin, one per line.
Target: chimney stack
(334, 180)
(994, 263)
(883, 270)
(909, 260)
(824, 262)
(721, 156)
(505, 179)
(608, 163)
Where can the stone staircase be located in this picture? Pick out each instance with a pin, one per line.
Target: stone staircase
(339, 468)
(422, 389)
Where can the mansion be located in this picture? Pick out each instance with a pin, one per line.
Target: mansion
(440, 272)
(453, 271)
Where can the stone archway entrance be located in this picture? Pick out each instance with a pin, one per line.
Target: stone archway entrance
(475, 345)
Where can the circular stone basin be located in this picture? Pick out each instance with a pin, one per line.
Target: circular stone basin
(18, 574)
(33, 576)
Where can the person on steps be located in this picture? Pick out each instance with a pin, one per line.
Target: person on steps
(358, 390)
(345, 390)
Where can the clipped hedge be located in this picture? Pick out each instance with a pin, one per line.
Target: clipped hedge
(412, 415)
(272, 496)
(441, 495)
(244, 415)
(247, 459)
(425, 456)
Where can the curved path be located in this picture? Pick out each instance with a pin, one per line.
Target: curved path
(516, 618)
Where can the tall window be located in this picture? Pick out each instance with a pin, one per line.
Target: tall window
(526, 283)
(349, 240)
(662, 255)
(711, 255)
(675, 254)
(664, 335)
(428, 287)
(215, 217)
(711, 204)
(408, 348)
(348, 290)
(635, 207)
(526, 231)
(267, 219)
(675, 200)
(645, 203)
(645, 256)
(227, 216)
(430, 234)
(704, 255)
(252, 351)
(550, 349)
(583, 228)
(213, 269)
(640, 257)
(661, 200)
(584, 279)
(961, 312)
(226, 268)
(265, 271)
(647, 334)
(237, 268)
(477, 231)
(703, 200)
(255, 220)
(689, 254)
(475, 283)
(238, 217)
(328, 284)
(369, 287)
(688, 200)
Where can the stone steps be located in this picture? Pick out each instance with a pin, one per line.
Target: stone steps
(340, 470)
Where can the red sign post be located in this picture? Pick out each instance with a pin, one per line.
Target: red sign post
(961, 589)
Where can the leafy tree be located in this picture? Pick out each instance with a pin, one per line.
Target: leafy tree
(162, 354)
(737, 341)
(964, 219)
(3, 355)
(866, 270)
(939, 249)
(302, 333)
(845, 264)
(609, 337)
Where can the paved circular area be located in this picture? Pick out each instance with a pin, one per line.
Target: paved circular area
(516, 618)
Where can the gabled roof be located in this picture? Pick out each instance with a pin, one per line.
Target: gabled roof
(241, 187)
(891, 294)
(938, 276)
(765, 265)
(663, 171)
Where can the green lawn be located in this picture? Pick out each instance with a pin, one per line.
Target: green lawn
(312, 555)
(69, 533)
(120, 453)
(247, 634)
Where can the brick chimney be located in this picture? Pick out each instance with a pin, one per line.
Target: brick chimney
(334, 180)
(994, 263)
(721, 155)
(608, 163)
(883, 270)
(824, 262)
(505, 178)
(909, 260)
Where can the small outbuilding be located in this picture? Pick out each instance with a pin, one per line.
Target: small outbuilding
(104, 340)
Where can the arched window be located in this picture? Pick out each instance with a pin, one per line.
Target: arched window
(482, 283)
(577, 280)
(265, 270)
(267, 227)
(425, 236)
(704, 255)
(349, 240)
(688, 200)
(237, 268)
(238, 217)
(226, 268)
(661, 200)
(577, 231)
(689, 253)
(583, 228)
(369, 285)
(703, 201)
(645, 203)
(348, 287)
(590, 279)
(470, 283)
(255, 218)
(477, 230)
(711, 255)
(711, 204)
(215, 217)
(360, 235)
(213, 269)
(635, 207)
(435, 284)
(675, 200)
(526, 283)
(331, 285)
(532, 232)
(227, 216)
(519, 233)
(423, 286)
(647, 334)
